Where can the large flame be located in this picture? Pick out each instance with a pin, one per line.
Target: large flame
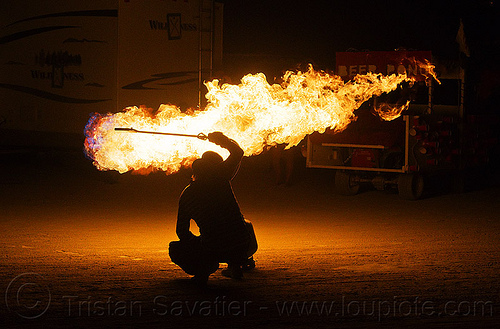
(254, 113)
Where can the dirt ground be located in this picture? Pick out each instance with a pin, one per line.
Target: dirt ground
(85, 248)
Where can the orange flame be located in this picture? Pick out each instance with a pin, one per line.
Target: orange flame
(389, 112)
(254, 113)
(430, 69)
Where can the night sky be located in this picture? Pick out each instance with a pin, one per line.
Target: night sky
(312, 31)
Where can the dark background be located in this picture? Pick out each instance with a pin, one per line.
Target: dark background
(298, 32)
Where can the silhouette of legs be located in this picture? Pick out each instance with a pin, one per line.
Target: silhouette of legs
(193, 259)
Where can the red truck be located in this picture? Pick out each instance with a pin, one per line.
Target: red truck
(433, 134)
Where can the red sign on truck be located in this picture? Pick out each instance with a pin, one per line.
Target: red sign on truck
(349, 64)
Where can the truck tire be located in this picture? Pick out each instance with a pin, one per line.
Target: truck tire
(344, 184)
(410, 186)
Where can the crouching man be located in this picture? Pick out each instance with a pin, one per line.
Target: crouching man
(225, 236)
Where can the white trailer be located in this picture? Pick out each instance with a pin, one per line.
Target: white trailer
(62, 60)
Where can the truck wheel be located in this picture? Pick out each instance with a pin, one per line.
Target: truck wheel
(410, 186)
(344, 183)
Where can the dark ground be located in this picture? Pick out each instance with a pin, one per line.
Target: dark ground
(84, 248)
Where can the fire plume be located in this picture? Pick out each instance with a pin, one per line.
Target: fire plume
(429, 69)
(390, 112)
(254, 113)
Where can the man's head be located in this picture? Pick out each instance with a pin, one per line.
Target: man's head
(206, 165)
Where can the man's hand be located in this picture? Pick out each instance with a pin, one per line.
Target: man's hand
(219, 138)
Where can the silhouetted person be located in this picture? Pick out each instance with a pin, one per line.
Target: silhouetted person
(225, 236)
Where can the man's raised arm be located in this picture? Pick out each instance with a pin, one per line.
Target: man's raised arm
(230, 166)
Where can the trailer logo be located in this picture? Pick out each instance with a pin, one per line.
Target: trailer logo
(173, 26)
(58, 61)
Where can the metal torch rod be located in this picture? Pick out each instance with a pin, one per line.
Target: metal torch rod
(200, 135)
